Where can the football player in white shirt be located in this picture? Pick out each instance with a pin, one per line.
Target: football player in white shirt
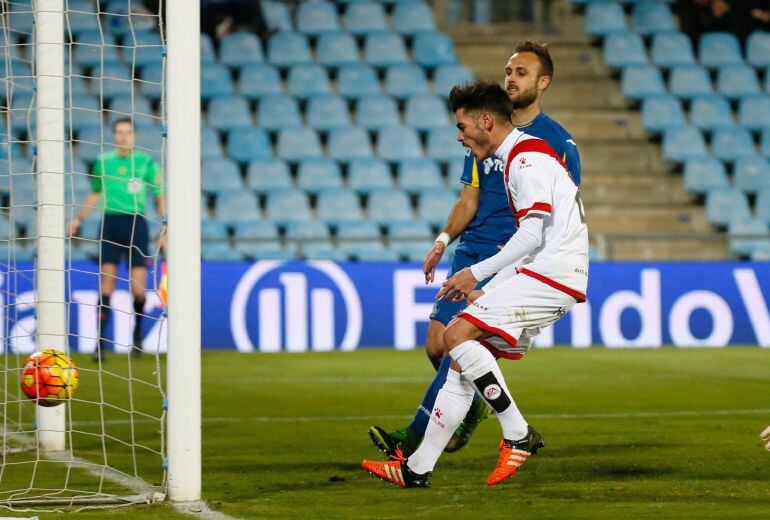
(540, 273)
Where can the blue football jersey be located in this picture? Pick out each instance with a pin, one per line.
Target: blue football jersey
(493, 224)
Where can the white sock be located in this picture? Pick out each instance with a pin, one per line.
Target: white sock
(452, 403)
(482, 371)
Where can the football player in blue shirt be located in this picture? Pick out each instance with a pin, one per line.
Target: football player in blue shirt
(482, 220)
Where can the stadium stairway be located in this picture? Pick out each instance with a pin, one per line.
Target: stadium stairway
(636, 205)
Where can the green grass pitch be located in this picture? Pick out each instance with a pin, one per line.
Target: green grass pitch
(659, 433)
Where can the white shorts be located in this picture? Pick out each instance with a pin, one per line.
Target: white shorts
(515, 312)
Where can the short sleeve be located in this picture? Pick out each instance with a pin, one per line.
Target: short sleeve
(572, 160)
(533, 173)
(470, 173)
(154, 177)
(96, 175)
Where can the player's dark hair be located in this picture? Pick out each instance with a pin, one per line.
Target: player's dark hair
(541, 51)
(481, 96)
(121, 120)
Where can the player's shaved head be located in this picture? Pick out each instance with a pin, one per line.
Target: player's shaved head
(481, 96)
(540, 50)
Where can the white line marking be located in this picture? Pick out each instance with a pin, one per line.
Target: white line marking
(200, 509)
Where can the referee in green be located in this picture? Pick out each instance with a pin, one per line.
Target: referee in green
(119, 185)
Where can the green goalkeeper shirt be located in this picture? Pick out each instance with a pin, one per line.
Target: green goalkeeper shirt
(124, 181)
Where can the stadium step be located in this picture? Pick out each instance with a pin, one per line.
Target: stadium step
(639, 220)
(670, 248)
(634, 191)
(598, 125)
(599, 158)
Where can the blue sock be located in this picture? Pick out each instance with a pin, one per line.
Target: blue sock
(420, 421)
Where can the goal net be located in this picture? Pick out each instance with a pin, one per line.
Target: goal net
(73, 73)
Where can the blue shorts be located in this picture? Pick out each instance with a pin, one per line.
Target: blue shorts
(444, 311)
(125, 236)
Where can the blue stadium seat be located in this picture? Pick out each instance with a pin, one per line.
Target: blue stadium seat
(649, 18)
(357, 80)
(383, 49)
(318, 174)
(731, 144)
(229, 113)
(246, 144)
(434, 206)
(285, 206)
(276, 14)
(662, 112)
(688, 81)
(718, 49)
(346, 144)
(143, 48)
(722, 206)
(213, 230)
(672, 49)
(367, 175)
(443, 145)
(640, 81)
(314, 18)
(91, 49)
(21, 17)
(752, 174)
(220, 174)
(754, 112)
(210, 145)
(326, 112)
(271, 250)
(76, 85)
(255, 230)
(682, 144)
(758, 49)
(259, 79)
(426, 111)
(240, 49)
(322, 251)
(288, 48)
(335, 206)
(764, 143)
(86, 112)
(409, 230)
(365, 17)
(413, 250)
(605, 18)
(377, 111)
(405, 80)
(276, 112)
(746, 236)
(265, 175)
(705, 174)
(711, 112)
(375, 252)
(432, 49)
(337, 49)
(237, 206)
(93, 140)
(358, 231)
(623, 49)
(137, 106)
(416, 175)
(395, 143)
(311, 231)
(447, 76)
(762, 206)
(413, 17)
(308, 80)
(208, 56)
(298, 143)
(215, 81)
(115, 80)
(151, 83)
(388, 205)
(219, 252)
(736, 81)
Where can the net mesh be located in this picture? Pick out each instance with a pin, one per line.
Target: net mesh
(114, 61)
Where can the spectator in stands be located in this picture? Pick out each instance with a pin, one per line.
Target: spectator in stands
(222, 17)
(119, 185)
(758, 13)
(700, 16)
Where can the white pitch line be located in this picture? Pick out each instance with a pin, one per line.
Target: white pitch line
(200, 509)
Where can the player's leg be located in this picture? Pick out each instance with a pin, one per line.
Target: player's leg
(138, 258)
(108, 273)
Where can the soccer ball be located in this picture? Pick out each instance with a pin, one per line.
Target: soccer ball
(49, 377)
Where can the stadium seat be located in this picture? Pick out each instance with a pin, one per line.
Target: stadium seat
(312, 231)
(219, 252)
(272, 250)
(426, 111)
(736, 81)
(748, 235)
(326, 112)
(661, 113)
(413, 250)
(220, 174)
(434, 206)
(357, 80)
(93, 140)
(416, 175)
(722, 206)
(285, 206)
(409, 230)
(711, 112)
(346, 144)
(213, 230)
(259, 79)
(115, 80)
(762, 206)
(137, 107)
(365, 17)
(623, 49)
(376, 111)
(276, 14)
(358, 231)
(443, 145)
(752, 174)
(605, 18)
(375, 252)
(367, 175)
(86, 112)
(688, 81)
(433, 48)
(758, 49)
(288, 48)
(395, 143)
(255, 230)
(308, 80)
(318, 174)
(447, 76)
(731, 144)
(240, 49)
(672, 49)
(382, 49)
(705, 174)
(92, 48)
(215, 81)
(337, 49)
(314, 18)
(412, 17)
(681, 144)
(246, 144)
(236, 206)
(208, 56)
(387, 205)
(151, 84)
(298, 143)
(405, 80)
(276, 112)
(718, 49)
(640, 81)
(210, 145)
(651, 17)
(754, 112)
(228, 113)
(322, 251)
(143, 48)
(335, 206)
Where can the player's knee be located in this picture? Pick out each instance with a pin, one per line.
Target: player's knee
(453, 336)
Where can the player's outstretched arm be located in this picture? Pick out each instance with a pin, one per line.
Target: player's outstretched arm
(92, 201)
(765, 436)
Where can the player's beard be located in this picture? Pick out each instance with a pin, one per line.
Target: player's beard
(525, 99)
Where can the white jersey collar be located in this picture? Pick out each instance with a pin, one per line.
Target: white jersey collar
(508, 143)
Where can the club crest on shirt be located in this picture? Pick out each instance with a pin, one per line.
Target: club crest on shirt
(134, 186)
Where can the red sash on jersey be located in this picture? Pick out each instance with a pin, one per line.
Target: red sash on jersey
(529, 145)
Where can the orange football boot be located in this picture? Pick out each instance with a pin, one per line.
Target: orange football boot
(513, 454)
